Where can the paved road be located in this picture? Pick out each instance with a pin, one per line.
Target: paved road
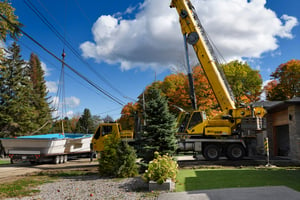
(255, 193)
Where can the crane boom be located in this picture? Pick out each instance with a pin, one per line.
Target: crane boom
(192, 28)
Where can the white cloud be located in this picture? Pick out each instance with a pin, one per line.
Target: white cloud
(72, 102)
(239, 28)
(45, 69)
(58, 114)
(263, 95)
(52, 86)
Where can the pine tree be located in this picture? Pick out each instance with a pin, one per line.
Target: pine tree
(39, 96)
(159, 132)
(16, 110)
(85, 122)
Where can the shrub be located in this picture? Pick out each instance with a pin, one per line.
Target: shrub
(108, 161)
(127, 161)
(161, 168)
(118, 159)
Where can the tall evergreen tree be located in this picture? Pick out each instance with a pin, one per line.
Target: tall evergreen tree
(39, 96)
(108, 119)
(85, 122)
(159, 132)
(16, 110)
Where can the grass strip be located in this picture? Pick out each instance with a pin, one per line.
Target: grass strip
(201, 179)
(23, 187)
(3, 162)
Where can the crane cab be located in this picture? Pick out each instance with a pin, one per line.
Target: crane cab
(105, 130)
(188, 120)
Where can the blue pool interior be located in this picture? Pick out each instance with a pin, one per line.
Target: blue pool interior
(56, 136)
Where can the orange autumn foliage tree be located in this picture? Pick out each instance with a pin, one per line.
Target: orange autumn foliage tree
(127, 116)
(246, 85)
(176, 88)
(285, 82)
(206, 100)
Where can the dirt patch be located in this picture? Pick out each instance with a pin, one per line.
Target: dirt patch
(12, 172)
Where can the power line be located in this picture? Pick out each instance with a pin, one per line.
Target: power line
(65, 42)
(115, 99)
(66, 73)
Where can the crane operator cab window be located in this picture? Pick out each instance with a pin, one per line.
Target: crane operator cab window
(189, 120)
(106, 130)
(183, 122)
(196, 118)
(102, 130)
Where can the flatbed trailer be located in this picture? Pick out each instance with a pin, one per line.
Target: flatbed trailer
(56, 147)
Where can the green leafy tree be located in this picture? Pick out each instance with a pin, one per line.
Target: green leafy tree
(159, 132)
(39, 97)
(17, 114)
(285, 82)
(61, 126)
(85, 122)
(245, 82)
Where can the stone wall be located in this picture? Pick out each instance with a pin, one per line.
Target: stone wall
(294, 129)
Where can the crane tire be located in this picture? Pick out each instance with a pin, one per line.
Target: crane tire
(211, 152)
(235, 152)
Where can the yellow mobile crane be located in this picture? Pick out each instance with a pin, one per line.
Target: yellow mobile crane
(226, 133)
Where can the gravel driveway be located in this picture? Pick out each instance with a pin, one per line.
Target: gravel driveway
(93, 187)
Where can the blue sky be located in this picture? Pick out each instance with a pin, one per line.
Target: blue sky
(123, 46)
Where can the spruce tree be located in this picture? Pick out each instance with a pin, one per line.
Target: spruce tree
(16, 110)
(159, 132)
(85, 122)
(39, 96)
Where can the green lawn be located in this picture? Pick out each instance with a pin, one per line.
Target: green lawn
(189, 179)
(2, 162)
(23, 187)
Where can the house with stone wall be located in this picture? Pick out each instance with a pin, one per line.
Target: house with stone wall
(283, 128)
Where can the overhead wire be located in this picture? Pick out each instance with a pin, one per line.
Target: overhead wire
(65, 42)
(66, 73)
(82, 12)
(116, 100)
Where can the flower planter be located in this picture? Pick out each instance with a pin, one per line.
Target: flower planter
(168, 185)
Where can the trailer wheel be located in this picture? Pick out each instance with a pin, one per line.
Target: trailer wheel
(65, 158)
(61, 159)
(235, 152)
(56, 160)
(211, 152)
